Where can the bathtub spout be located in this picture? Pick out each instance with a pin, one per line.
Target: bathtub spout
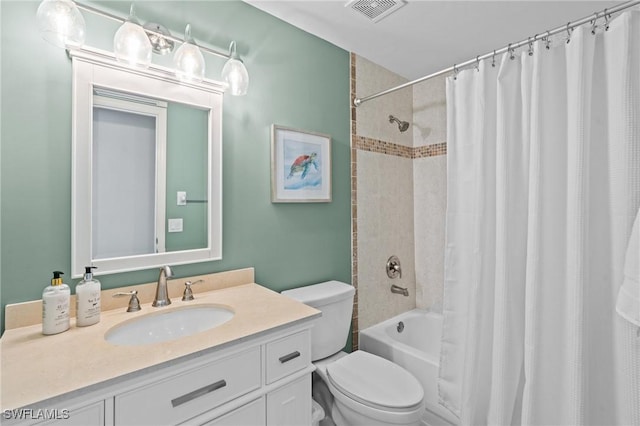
(399, 290)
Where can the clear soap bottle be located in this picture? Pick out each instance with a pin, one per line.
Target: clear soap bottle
(88, 299)
(55, 306)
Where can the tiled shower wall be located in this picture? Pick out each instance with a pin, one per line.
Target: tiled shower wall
(429, 190)
(389, 169)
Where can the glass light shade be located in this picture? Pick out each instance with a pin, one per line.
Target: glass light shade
(235, 74)
(61, 23)
(131, 44)
(189, 60)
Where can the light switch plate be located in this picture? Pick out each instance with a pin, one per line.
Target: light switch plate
(182, 198)
(175, 225)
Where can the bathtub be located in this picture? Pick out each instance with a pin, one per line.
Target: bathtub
(417, 349)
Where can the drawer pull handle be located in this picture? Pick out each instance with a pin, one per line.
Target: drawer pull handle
(289, 357)
(198, 393)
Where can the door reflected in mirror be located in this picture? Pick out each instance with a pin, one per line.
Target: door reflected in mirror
(147, 170)
(146, 151)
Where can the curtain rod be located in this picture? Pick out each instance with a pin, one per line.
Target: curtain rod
(606, 13)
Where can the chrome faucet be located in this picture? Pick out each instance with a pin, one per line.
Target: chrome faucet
(399, 290)
(162, 296)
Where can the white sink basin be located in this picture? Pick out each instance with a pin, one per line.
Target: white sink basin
(170, 325)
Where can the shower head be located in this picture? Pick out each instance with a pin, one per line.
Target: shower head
(402, 125)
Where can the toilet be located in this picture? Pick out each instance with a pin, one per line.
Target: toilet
(357, 388)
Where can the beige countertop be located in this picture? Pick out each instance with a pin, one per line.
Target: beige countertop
(35, 367)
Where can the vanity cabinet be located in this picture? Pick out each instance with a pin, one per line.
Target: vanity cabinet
(95, 413)
(251, 414)
(289, 405)
(261, 381)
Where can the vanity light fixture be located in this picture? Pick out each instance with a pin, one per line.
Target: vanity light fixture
(234, 73)
(188, 59)
(158, 38)
(61, 23)
(131, 44)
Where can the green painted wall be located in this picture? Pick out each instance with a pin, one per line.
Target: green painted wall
(187, 162)
(297, 80)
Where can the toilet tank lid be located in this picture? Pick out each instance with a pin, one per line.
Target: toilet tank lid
(321, 294)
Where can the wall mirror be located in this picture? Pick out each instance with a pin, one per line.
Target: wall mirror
(147, 168)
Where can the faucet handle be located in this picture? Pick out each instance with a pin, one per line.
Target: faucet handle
(393, 267)
(188, 293)
(134, 303)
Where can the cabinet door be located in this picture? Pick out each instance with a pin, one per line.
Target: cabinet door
(291, 404)
(89, 415)
(251, 414)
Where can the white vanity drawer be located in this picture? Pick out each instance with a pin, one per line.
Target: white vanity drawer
(287, 355)
(191, 393)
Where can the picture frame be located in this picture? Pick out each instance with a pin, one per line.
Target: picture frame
(300, 166)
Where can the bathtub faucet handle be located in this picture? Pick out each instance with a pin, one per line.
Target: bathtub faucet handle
(393, 267)
(399, 290)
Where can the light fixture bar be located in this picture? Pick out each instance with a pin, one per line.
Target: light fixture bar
(94, 10)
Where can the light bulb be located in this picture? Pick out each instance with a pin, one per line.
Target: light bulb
(131, 44)
(235, 74)
(61, 23)
(188, 59)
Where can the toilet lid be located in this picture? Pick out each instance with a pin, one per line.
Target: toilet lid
(375, 381)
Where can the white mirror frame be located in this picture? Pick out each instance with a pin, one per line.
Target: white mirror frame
(92, 67)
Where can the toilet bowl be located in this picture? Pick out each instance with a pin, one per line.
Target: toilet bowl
(369, 390)
(362, 388)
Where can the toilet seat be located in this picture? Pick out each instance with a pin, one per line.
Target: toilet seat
(375, 382)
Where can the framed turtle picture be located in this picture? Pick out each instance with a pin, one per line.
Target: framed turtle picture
(300, 166)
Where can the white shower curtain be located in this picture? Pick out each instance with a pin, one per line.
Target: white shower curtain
(543, 188)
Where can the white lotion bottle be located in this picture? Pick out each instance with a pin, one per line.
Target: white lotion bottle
(55, 306)
(88, 299)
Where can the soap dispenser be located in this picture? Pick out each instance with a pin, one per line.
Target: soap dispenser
(55, 306)
(88, 299)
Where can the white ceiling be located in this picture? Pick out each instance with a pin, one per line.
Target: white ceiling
(427, 36)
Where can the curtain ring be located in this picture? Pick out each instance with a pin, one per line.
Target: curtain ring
(568, 32)
(455, 72)
(593, 24)
(478, 63)
(547, 41)
(493, 59)
(512, 55)
(530, 46)
(606, 20)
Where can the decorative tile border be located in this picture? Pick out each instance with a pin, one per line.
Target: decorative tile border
(432, 150)
(390, 148)
(382, 147)
(354, 209)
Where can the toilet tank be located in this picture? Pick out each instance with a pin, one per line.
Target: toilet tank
(335, 300)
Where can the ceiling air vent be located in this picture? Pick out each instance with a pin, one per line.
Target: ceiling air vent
(375, 10)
